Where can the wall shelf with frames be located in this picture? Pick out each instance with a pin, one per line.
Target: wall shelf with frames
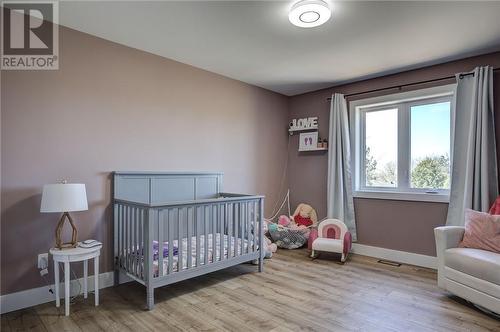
(308, 139)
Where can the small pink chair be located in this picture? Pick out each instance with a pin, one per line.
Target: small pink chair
(332, 236)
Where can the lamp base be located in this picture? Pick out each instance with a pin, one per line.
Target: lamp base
(59, 243)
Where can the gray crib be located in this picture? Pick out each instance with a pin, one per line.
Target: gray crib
(172, 226)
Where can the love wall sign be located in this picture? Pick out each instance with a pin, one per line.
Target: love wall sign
(304, 124)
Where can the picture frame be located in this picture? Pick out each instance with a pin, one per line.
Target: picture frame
(308, 141)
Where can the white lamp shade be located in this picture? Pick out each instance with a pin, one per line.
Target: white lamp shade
(64, 197)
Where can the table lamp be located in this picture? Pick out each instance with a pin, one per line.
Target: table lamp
(64, 197)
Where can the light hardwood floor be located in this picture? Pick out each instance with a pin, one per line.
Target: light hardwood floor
(294, 293)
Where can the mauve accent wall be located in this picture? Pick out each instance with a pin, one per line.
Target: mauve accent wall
(110, 107)
(399, 225)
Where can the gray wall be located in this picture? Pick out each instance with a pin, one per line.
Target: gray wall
(110, 107)
(398, 225)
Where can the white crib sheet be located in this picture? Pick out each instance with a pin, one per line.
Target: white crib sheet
(235, 245)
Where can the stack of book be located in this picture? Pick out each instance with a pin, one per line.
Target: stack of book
(89, 244)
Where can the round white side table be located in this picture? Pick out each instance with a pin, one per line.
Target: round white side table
(68, 256)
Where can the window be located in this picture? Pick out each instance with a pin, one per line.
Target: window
(381, 148)
(402, 145)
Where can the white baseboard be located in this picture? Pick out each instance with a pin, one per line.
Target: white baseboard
(395, 255)
(35, 296)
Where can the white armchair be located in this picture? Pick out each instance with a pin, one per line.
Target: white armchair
(472, 274)
(332, 236)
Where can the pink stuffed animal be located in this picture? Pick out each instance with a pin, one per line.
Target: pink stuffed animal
(284, 221)
(272, 247)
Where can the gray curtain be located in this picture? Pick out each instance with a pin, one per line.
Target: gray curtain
(474, 180)
(339, 195)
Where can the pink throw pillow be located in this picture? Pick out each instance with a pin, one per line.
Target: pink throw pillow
(482, 231)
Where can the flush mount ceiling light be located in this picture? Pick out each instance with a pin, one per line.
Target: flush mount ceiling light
(309, 13)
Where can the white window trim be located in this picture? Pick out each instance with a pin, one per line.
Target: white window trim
(402, 196)
(358, 143)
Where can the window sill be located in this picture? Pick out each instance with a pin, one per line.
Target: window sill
(402, 196)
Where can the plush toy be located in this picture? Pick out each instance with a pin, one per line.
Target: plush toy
(292, 232)
(273, 227)
(305, 215)
(267, 224)
(284, 221)
(270, 247)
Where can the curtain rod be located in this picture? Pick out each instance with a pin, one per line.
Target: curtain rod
(408, 84)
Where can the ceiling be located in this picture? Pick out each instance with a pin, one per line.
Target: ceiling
(252, 41)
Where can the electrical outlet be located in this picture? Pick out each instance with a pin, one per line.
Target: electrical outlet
(43, 261)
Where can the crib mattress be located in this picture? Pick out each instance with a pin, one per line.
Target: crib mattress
(235, 250)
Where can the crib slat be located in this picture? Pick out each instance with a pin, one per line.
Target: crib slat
(130, 248)
(234, 225)
(133, 244)
(261, 233)
(242, 223)
(127, 239)
(118, 234)
(213, 214)
(131, 237)
(230, 220)
(180, 227)
(170, 243)
(136, 241)
(235, 232)
(152, 216)
(238, 229)
(161, 222)
(129, 224)
(132, 234)
(205, 238)
(129, 251)
(116, 222)
(189, 244)
(222, 231)
(136, 245)
(127, 244)
(243, 228)
(247, 210)
(237, 245)
(122, 235)
(197, 235)
(141, 244)
(140, 217)
(254, 222)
